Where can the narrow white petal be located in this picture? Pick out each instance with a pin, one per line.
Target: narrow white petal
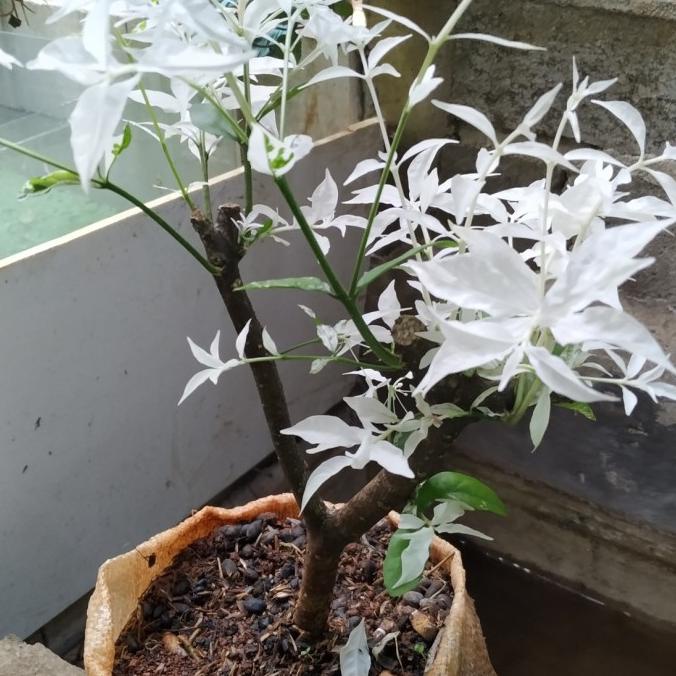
(332, 73)
(540, 418)
(203, 357)
(389, 457)
(240, 343)
(540, 151)
(268, 343)
(323, 473)
(370, 410)
(470, 115)
(327, 431)
(93, 122)
(559, 377)
(613, 328)
(460, 529)
(629, 399)
(421, 90)
(198, 379)
(364, 167)
(502, 42)
(467, 346)
(542, 106)
(382, 48)
(397, 18)
(96, 31)
(630, 117)
(213, 348)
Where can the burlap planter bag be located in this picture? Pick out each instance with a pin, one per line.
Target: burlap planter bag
(459, 649)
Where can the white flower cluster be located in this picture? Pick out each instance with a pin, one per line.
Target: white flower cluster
(518, 287)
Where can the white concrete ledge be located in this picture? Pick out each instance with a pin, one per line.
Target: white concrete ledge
(20, 659)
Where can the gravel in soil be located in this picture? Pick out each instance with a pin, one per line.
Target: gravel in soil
(225, 608)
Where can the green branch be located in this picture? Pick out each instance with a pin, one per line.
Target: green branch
(151, 213)
(375, 205)
(165, 149)
(348, 303)
(105, 184)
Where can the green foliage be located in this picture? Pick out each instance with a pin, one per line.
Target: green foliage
(119, 148)
(302, 283)
(460, 487)
(40, 185)
(373, 274)
(579, 407)
(209, 118)
(392, 566)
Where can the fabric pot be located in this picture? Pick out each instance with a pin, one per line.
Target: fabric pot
(459, 649)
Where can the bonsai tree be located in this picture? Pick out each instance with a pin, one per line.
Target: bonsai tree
(512, 299)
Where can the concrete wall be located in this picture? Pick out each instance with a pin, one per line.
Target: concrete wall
(94, 454)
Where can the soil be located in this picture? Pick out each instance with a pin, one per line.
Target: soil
(225, 608)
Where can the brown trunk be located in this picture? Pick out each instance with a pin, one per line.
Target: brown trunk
(221, 243)
(319, 577)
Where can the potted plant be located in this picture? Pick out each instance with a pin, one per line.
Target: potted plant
(515, 303)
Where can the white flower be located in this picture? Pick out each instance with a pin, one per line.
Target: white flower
(494, 280)
(581, 91)
(274, 157)
(326, 432)
(214, 365)
(421, 89)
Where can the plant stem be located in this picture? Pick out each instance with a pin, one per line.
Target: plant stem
(204, 163)
(348, 303)
(36, 156)
(234, 127)
(233, 83)
(248, 179)
(221, 242)
(107, 185)
(315, 357)
(373, 211)
(432, 50)
(244, 149)
(285, 73)
(165, 149)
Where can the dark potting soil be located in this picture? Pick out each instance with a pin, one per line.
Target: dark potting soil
(225, 608)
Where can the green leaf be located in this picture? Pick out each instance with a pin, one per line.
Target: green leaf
(40, 185)
(276, 99)
(392, 565)
(371, 275)
(344, 8)
(119, 148)
(456, 486)
(579, 407)
(251, 237)
(209, 118)
(539, 421)
(399, 439)
(304, 283)
(445, 244)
